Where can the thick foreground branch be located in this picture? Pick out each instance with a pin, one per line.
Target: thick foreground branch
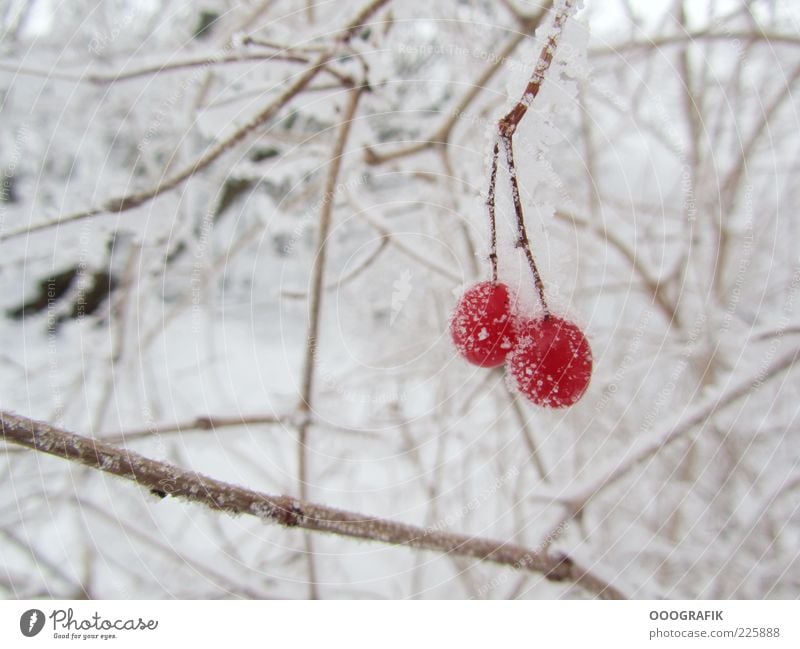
(165, 479)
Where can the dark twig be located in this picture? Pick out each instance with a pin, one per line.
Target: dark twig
(315, 301)
(490, 202)
(509, 123)
(507, 126)
(440, 137)
(522, 232)
(130, 201)
(209, 423)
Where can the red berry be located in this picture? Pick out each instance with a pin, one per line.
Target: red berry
(481, 326)
(551, 362)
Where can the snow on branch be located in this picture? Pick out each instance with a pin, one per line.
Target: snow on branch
(130, 201)
(164, 479)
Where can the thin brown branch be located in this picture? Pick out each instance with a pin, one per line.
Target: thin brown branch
(220, 579)
(733, 389)
(120, 319)
(318, 274)
(109, 78)
(509, 123)
(41, 561)
(441, 134)
(261, 42)
(691, 106)
(346, 278)
(408, 251)
(211, 423)
(653, 285)
(315, 302)
(491, 206)
(131, 201)
(507, 126)
(164, 479)
(684, 38)
(522, 232)
(527, 435)
(732, 185)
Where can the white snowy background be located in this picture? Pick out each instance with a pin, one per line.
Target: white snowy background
(659, 170)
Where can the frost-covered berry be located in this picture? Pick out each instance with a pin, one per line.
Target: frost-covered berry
(481, 326)
(551, 363)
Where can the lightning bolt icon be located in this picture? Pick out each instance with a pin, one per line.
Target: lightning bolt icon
(32, 621)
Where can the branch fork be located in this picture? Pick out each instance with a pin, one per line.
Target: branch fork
(507, 127)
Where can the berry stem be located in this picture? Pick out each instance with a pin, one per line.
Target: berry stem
(507, 126)
(522, 232)
(490, 202)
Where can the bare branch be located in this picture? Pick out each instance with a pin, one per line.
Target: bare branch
(683, 38)
(110, 78)
(211, 423)
(441, 135)
(507, 126)
(731, 391)
(131, 201)
(166, 479)
(655, 287)
(315, 302)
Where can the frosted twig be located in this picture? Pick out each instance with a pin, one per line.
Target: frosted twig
(164, 479)
(522, 232)
(130, 201)
(681, 38)
(490, 204)
(219, 578)
(40, 560)
(527, 435)
(431, 489)
(510, 122)
(577, 497)
(441, 134)
(653, 285)
(315, 301)
(386, 234)
(754, 519)
(346, 278)
(211, 423)
(120, 321)
(108, 78)
(507, 126)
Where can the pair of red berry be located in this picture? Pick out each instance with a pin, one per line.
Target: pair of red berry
(548, 357)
